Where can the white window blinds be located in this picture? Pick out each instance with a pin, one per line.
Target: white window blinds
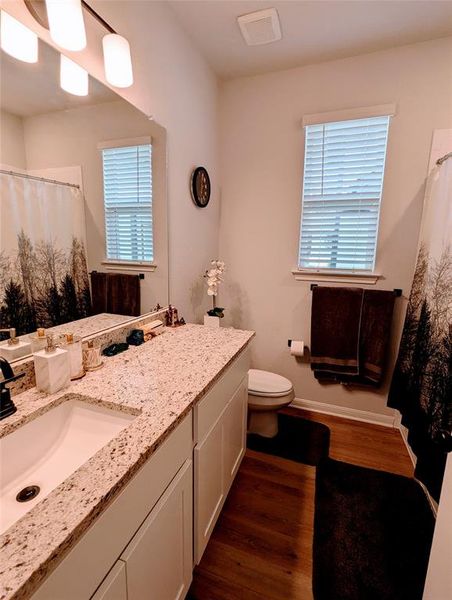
(343, 179)
(128, 203)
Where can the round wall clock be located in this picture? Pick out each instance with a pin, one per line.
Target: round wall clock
(200, 187)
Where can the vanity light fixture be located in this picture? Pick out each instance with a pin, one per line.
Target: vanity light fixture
(66, 24)
(73, 78)
(64, 18)
(17, 40)
(117, 60)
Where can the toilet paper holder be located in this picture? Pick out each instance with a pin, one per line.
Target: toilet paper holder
(289, 343)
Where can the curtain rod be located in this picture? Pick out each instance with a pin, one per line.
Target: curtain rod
(26, 176)
(444, 158)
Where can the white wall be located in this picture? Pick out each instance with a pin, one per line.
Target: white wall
(262, 157)
(12, 149)
(71, 137)
(174, 83)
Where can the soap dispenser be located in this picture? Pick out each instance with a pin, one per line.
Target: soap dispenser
(73, 345)
(13, 348)
(52, 368)
(38, 340)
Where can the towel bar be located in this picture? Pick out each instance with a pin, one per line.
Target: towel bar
(397, 291)
(140, 275)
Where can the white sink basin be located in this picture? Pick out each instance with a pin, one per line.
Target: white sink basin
(47, 450)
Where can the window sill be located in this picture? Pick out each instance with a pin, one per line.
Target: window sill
(112, 265)
(336, 276)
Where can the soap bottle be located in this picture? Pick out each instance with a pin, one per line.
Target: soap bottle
(52, 368)
(38, 340)
(73, 345)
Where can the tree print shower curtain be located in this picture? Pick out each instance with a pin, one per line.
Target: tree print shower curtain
(43, 270)
(421, 388)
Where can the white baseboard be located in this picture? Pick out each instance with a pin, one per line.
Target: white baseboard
(345, 412)
(404, 434)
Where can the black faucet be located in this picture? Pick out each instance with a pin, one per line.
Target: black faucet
(7, 406)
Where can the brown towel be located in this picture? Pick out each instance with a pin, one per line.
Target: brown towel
(335, 324)
(376, 319)
(99, 292)
(349, 339)
(115, 293)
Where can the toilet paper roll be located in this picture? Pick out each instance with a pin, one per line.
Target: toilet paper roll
(297, 348)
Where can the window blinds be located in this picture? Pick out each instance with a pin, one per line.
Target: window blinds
(128, 203)
(343, 179)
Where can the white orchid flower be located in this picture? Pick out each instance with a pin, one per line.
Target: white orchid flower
(214, 277)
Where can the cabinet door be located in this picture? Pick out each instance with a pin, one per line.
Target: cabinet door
(234, 434)
(209, 486)
(114, 586)
(159, 557)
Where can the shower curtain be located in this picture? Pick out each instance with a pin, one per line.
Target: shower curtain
(421, 388)
(43, 269)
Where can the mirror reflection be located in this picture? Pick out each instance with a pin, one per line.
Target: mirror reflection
(83, 219)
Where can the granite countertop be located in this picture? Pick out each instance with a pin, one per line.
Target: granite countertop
(85, 327)
(160, 382)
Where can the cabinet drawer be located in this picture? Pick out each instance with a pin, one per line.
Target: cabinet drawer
(208, 410)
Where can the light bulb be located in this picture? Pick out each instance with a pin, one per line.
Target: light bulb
(17, 40)
(117, 60)
(67, 28)
(73, 78)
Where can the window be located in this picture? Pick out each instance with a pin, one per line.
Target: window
(342, 186)
(127, 174)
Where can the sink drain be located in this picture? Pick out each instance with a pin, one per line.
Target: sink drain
(28, 493)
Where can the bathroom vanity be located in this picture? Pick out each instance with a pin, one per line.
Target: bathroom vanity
(132, 521)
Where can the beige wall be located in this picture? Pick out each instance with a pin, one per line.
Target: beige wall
(174, 83)
(70, 138)
(262, 157)
(12, 149)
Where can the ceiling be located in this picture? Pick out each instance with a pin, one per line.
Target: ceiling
(313, 31)
(33, 89)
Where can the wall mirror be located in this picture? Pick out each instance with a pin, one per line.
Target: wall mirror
(83, 211)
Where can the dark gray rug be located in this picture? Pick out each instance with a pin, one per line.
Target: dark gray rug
(298, 439)
(372, 534)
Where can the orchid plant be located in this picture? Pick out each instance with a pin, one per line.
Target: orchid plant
(214, 277)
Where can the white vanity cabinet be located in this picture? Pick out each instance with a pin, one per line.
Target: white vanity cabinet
(144, 544)
(148, 527)
(220, 437)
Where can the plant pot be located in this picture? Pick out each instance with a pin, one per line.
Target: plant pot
(211, 321)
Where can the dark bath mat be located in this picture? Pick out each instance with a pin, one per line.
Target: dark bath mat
(372, 534)
(297, 439)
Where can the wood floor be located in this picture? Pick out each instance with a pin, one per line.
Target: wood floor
(261, 547)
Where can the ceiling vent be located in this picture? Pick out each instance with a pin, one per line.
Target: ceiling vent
(261, 27)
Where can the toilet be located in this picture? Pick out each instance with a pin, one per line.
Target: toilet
(267, 393)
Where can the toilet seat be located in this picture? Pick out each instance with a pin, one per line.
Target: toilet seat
(267, 385)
